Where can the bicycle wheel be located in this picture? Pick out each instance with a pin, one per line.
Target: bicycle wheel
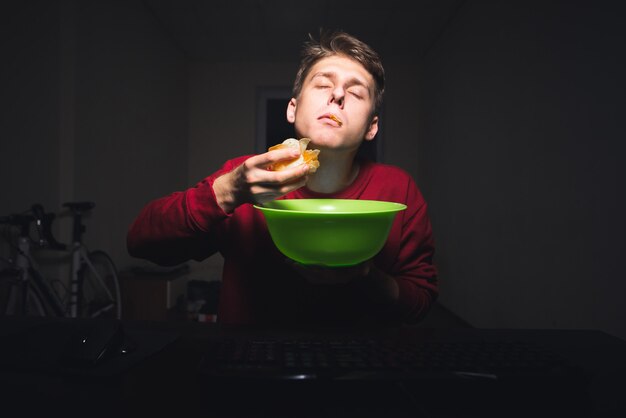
(99, 288)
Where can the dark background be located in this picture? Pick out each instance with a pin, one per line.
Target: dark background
(508, 114)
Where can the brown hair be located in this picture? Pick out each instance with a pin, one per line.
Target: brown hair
(341, 43)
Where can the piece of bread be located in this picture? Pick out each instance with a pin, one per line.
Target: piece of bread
(307, 156)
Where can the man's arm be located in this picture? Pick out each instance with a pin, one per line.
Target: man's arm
(167, 232)
(183, 225)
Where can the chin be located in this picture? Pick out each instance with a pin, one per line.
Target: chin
(325, 139)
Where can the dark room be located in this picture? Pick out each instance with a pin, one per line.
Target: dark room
(479, 202)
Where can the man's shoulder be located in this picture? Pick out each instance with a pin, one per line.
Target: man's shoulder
(382, 169)
(394, 180)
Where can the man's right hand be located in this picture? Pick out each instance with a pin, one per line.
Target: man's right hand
(252, 182)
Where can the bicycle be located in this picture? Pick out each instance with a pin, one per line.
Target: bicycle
(94, 290)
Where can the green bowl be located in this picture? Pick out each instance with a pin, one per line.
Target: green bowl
(329, 232)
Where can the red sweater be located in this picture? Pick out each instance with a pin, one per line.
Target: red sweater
(257, 285)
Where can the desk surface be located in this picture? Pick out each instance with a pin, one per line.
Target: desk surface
(163, 379)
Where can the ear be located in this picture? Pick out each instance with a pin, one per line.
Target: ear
(372, 130)
(291, 110)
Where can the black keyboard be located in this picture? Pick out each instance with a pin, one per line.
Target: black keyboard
(366, 359)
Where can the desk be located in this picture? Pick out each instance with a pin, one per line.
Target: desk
(164, 382)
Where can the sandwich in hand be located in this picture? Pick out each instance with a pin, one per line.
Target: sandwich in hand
(307, 156)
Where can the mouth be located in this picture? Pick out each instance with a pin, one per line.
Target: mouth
(332, 117)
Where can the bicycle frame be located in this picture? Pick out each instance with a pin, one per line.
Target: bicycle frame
(29, 270)
(86, 291)
(76, 278)
(80, 260)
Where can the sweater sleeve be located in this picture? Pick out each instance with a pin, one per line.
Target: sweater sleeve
(181, 226)
(415, 271)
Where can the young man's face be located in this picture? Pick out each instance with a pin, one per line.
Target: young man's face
(335, 105)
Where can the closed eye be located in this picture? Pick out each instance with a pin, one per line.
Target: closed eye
(356, 93)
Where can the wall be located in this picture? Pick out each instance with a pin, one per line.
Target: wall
(29, 82)
(399, 123)
(521, 138)
(131, 116)
(96, 109)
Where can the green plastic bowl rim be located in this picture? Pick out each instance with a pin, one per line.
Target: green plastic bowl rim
(395, 207)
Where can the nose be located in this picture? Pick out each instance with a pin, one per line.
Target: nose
(337, 96)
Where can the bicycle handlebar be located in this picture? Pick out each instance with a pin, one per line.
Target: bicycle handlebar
(43, 222)
(19, 220)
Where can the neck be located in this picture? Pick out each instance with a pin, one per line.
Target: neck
(334, 174)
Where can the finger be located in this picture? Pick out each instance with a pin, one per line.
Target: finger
(252, 173)
(271, 157)
(290, 175)
(296, 176)
(264, 193)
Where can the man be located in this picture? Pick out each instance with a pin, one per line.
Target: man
(337, 95)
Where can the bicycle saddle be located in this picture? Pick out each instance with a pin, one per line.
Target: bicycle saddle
(79, 206)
